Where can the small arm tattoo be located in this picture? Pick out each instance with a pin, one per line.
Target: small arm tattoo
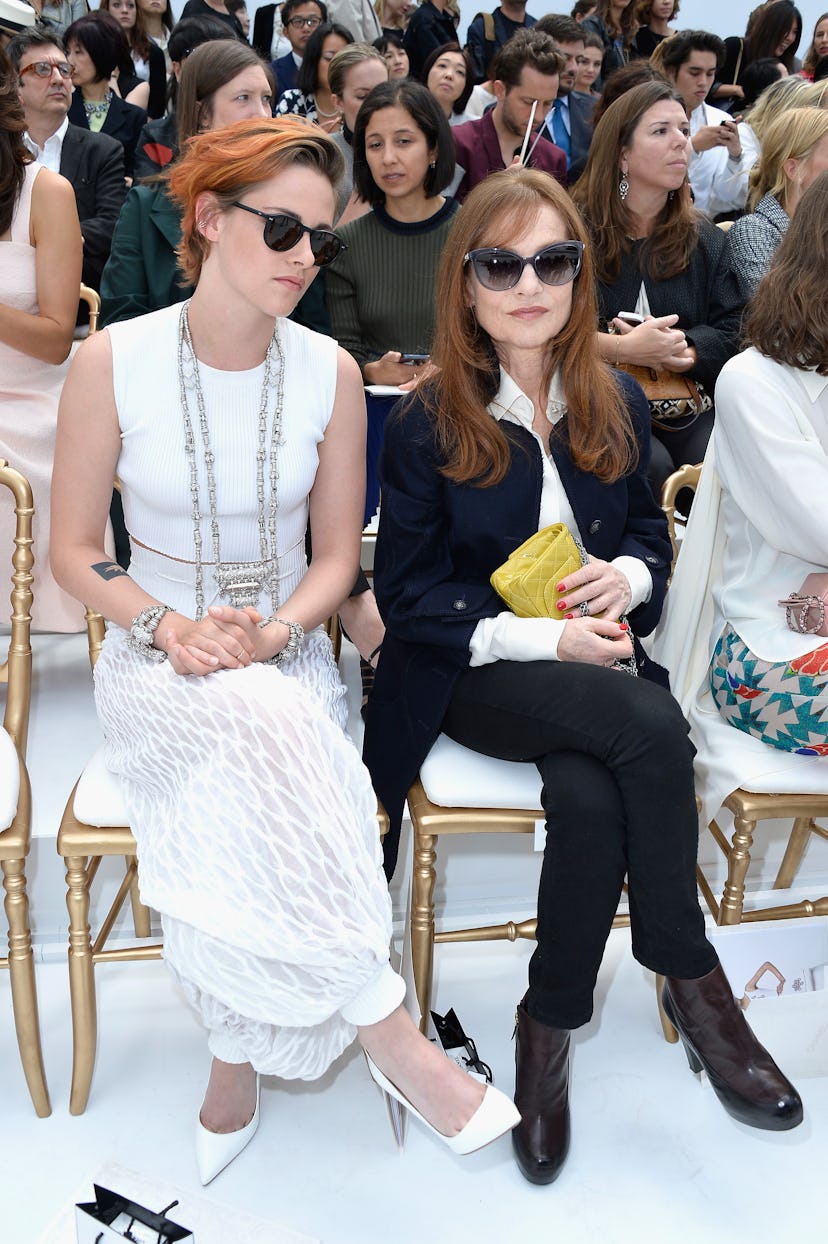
(108, 570)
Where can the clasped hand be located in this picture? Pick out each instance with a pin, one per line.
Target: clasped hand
(226, 638)
(656, 343)
(595, 640)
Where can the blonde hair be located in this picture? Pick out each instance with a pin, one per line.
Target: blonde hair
(345, 59)
(792, 136)
(779, 97)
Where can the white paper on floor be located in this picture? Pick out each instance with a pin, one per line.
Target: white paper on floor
(209, 1221)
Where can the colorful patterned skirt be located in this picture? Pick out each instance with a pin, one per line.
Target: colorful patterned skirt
(783, 703)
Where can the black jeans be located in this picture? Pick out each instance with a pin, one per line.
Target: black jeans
(617, 770)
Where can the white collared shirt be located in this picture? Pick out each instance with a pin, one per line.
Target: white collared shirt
(49, 154)
(507, 637)
(719, 183)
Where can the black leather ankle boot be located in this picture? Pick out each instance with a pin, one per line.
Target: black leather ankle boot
(541, 1139)
(718, 1038)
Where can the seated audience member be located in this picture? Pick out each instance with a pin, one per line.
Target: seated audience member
(238, 9)
(41, 273)
(221, 82)
(773, 29)
(380, 291)
(447, 73)
(92, 163)
(269, 37)
(392, 50)
(690, 60)
(58, 15)
(583, 8)
(311, 97)
(818, 49)
(759, 75)
(353, 74)
(779, 97)
(655, 255)
(753, 690)
(300, 18)
(393, 15)
(615, 25)
(93, 46)
(148, 61)
(213, 8)
(568, 123)
(158, 140)
(653, 17)
(527, 70)
(488, 32)
(429, 27)
(475, 463)
(158, 21)
(589, 68)
(623, 80)
(794, 154)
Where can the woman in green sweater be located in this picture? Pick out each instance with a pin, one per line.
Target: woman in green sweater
(380, 291)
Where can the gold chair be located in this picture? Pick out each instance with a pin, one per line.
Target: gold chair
(95, 824)
(15, 795)
(507, 800)
(93, 300)
(750, 807)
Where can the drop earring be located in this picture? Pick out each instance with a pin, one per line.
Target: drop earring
(623, 186)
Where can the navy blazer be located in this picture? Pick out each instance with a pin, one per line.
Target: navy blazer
(438, 544)
(581, 108)
(123, 121)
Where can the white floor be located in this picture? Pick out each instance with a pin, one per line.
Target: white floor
(654, 1156)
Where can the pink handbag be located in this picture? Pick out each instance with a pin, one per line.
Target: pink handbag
(805, 610)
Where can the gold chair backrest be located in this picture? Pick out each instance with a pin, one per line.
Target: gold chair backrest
(93, 300)
(17, 669)
(685, 477)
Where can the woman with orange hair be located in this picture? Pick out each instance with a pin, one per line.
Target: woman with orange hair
(217, 689)
(523, 426)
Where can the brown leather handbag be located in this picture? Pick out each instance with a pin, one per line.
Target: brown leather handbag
(676, 400)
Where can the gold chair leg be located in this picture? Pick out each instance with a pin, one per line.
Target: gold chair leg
(798, 841)
(81, 984)
(422, 920)
(670, 1032)
(738, 862)
(24, 993)
(140, 913)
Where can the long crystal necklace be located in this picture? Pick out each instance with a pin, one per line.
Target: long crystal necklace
(240, 583)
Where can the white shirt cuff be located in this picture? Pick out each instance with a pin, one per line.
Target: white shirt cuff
(639, 578)
(509, 638)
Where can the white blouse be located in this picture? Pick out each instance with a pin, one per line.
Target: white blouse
(510, 638)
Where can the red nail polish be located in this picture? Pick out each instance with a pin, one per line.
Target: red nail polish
(623, 626)
(561, 587)
(570, 616)
(562, 605)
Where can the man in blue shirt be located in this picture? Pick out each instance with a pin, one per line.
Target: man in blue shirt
(489, 31)
(568, 123)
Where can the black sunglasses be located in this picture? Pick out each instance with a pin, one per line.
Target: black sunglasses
(282, 232)
(501, 269)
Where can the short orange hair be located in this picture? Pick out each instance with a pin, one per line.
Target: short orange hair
(228, 162)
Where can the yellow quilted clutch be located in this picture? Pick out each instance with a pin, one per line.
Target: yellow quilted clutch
(528, 580)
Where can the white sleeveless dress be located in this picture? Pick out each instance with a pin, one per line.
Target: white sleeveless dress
(254, 816)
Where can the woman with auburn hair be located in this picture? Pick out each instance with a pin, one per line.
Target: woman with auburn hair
(659, 259)
(523, 425)
(755, 690)
(794, 153)
(818, 48)
(217, 689)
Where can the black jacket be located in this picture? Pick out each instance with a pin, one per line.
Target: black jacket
(94, 164)
(433, 587)
(123, 121)
(428, 30)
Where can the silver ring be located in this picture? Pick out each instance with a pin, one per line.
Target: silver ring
(584, 608)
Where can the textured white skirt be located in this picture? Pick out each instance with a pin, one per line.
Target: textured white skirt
(257, 841)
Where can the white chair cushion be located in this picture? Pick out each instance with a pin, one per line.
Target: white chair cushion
(455, 777)
(98, 798)
(9, 780)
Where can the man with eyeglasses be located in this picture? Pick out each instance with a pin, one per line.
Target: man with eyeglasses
(300, 19)
(92, 163)
(568, 123)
